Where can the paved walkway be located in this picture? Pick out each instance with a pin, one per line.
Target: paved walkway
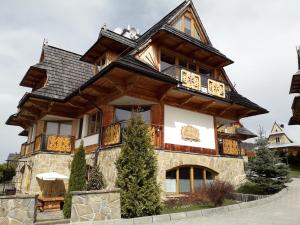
(283, 211)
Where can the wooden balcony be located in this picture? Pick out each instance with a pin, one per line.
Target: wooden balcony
(198, 82)
(48, 143)
(113, 134)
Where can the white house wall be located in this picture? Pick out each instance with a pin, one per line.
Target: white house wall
(176, 118)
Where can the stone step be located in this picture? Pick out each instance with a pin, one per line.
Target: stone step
(50, 222)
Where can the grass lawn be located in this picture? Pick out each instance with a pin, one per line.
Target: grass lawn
(294, 171)
(167, 210)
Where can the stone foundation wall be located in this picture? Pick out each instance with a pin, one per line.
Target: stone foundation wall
(95, 205)
(227, 168)
(42, 163)
(18, 209)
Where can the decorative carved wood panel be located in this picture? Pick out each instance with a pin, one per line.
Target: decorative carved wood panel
(152, 134)
(59, 143)
(38, 143)
(216, 88)
(190, 80)
(112, 134)
(230, 147)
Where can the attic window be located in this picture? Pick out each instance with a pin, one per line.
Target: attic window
(187, 25)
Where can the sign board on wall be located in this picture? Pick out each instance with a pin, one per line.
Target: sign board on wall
(200, 132)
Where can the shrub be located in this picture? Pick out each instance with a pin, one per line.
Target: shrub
(137, 171)
(96, 179)
(218, 191)
(249, 188)
(199, 197)
(77, 180)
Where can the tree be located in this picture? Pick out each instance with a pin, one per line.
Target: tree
(266, 169)
(77, 180)
(96, 179)
(7, 171)
(137, 171)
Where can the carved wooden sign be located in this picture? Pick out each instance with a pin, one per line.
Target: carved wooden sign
(216, 88)
(59, 143)
(190, 80)
(190, 133)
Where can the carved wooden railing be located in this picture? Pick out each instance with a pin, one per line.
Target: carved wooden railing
(112, 134)
(198, 82)
(59, 143)
(50, 143)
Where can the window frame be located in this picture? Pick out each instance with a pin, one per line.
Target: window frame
(98, 122)
(59, 126)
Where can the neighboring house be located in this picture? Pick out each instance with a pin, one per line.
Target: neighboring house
(284, 138)
(12, 157)
(171, 73)
(295, 89)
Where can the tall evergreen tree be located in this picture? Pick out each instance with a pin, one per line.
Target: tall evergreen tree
(77, 181)
(266, 169)
(137, 171)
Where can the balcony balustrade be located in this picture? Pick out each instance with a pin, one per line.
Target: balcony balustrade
(113, 134)
(48, 143)
(197, 82)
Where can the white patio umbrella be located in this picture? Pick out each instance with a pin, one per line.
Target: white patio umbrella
(51, 176)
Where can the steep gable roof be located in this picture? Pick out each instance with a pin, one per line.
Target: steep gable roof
(291, 132)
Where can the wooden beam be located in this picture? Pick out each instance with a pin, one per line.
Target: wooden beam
(245, 112)
(192, 189)
(206, 105)
(226, 109)
(186, 100)
(177, 180)
(116, 83)
(164, 91)
(33, 110)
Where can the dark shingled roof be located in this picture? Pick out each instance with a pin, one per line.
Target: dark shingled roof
(65, 72)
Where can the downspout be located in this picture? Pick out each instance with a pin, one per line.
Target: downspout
(100, 131)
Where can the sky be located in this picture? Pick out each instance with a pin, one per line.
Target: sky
(260, 36)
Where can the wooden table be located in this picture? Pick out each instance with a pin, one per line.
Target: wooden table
(53, 203)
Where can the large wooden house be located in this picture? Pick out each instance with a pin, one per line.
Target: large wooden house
(171, 73)
(295, 89)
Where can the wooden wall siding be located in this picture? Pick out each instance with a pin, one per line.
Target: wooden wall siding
(150, 56)
(181, 148)
(157, 119)
(40, 127)
(90, 148)
(108, 115)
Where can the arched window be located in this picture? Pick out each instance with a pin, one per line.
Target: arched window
(185, 179)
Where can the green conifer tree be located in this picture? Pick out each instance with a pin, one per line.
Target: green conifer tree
(137, 171)
(77, 181)
(266, 170)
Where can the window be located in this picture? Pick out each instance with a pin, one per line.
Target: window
(187, 25)
(94, 123)
(80, 128)
(277, 140)
(167, 61)
(188, 179)
(100, 65)
(123, 113)
(196, 35)
(59, 128)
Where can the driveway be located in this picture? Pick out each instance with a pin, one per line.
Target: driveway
(283, 211)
